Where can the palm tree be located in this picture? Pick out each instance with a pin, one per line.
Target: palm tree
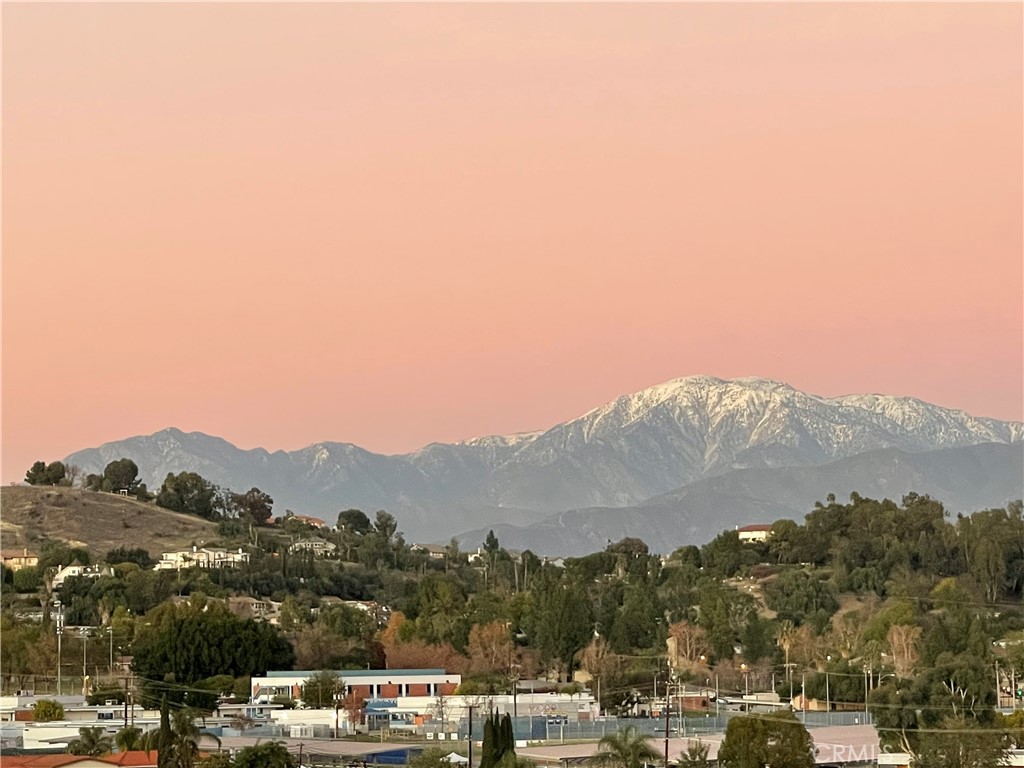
(628, 748)
(186, 736)
(91, 742)
(128, 739)
(784, 638)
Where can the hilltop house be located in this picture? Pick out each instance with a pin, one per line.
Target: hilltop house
(757, 532)
(16, 559)
(86, 571)
(433, 551)
(246, 607)
(201, 557)
(319, 547)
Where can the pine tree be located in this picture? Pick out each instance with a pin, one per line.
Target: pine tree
(165, 737)
(489, 749)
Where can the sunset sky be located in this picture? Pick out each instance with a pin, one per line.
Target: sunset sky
(396, 224)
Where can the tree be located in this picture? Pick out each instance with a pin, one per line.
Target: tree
(490, 647)
(197, 641)
(563, 622)
(122, 474)
(441, 602)
(696, 756)
(91, 742)
(800, 596)
(185, 739)
(903, 642)
(41, 473)
(598, 661)
(491, 547)
(354, 520)
(128, 739)
(628, 748)
(353, 524)
(784, 637)
(36, 474)
(961, 743)
(499, 746)
(165, 737)
(48, 711)
(433, 757)
(687, 644)
(254, 505)
(135, 555)
(756, 741)
(190, 493)
(72, 473)
(27, 580)
(269, 754)
(322, 690)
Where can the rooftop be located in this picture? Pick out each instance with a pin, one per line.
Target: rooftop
(349, 674)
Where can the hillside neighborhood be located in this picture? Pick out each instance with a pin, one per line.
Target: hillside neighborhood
(316, 635)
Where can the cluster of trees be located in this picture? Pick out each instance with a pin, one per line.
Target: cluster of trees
(884, 546)
(120, 475)
(186, 492)
(499, 745)
(55, 473)
(190, 653)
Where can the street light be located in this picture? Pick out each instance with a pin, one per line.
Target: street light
(746, 679)
(110, 664)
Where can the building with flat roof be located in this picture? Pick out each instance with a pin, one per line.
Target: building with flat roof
(364, 683)
(758, 532)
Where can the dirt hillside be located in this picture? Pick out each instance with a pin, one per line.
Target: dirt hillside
(99, 521)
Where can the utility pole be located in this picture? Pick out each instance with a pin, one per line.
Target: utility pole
(668, 703)
(682, 709)
(60, 633)
(865, 697)
(1013, 689)
(85, 647)
(470, 736)
(337, 704)
(803, 696)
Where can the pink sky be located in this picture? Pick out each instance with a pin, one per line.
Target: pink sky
(397, 224)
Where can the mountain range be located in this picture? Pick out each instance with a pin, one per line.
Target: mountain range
(676, 462)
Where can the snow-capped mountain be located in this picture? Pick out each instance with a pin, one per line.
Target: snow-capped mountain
(618, 455)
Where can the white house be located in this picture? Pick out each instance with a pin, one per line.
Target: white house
(433, 551)
(319, 547)
(87, 571)
(201, 557)
(752, 533)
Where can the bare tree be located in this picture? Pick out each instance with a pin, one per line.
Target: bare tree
(687, 644)
(442, 708)
(903, 641)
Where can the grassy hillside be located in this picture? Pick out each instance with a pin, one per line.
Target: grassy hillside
(99, 521)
